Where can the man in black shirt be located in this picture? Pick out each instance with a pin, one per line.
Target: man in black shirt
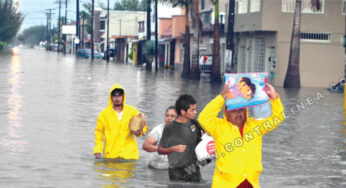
(179, 139)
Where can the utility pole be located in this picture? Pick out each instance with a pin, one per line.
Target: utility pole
(77, 23)
(92, 28)
(107, 51)
(82, 35)
(229, 52)
(64, 36)
(49, 22)
(148, 19)
(230, 25)
(59, 24)
(344, 60)
(156, 37)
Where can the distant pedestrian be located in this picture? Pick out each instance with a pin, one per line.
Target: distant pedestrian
(179, 140)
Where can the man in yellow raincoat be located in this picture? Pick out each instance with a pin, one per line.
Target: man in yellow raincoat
(238, 140)
(113, 128)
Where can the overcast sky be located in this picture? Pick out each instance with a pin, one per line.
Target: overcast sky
(34, 10)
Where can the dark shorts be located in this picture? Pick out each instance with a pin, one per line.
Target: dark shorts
(190, 173)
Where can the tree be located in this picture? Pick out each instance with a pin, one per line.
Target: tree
(86, 14)
(215, 71)
(87, 6)
(186, 5)
(33, 35)
(292, 79)
(196, 24)
(10, 20)
(131, 5)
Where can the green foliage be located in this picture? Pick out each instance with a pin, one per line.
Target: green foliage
(10, 21)
(87, 16)
(33, 35)
(2, 45)
(178, 3)
(131, 5)
(131, 54)
(88, 7)
(102, 5)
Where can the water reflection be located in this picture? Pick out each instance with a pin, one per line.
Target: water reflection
(14, 143)
(115, 171)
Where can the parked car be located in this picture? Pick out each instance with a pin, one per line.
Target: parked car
(111, 53)
(86, 53)
(205, 63)
(54, 47)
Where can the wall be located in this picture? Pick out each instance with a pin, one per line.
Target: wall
(165, 23)
(123, 23)
(178, 26)
(178, 64)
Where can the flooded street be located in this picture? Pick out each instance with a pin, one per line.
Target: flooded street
(50, 102)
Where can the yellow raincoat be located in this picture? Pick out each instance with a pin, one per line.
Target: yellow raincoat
(118, 141)
(238, 158)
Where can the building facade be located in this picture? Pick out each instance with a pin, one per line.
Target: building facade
(123, 27)
(262, 35)
(263, 31)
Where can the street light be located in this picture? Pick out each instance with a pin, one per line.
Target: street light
(107, 51)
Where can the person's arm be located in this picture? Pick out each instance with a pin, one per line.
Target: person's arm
(278, 114)
(99, 137)
(164, 151)
(149, 145)
(165, 146)
(208, 117)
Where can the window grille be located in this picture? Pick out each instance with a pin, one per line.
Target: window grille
(249, 55)
(307, 6)
(259, 65)
(322, 37)
(242, 6)
(255, 5)
(242, 60)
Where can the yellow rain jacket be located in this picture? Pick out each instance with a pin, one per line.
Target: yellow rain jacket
(238, 158)
(118, 141)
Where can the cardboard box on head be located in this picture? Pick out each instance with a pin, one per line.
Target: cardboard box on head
(246, 90)
(137, 123)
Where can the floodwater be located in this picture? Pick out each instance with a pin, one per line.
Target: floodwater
(50, 102)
